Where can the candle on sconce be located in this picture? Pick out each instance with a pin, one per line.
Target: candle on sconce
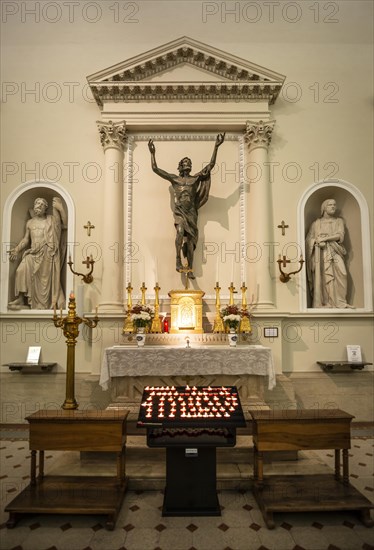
(96, 310)
(54, 311)
(61, 313)
(279, 257)
(69, 255)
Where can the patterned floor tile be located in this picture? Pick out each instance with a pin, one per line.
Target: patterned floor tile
(140, 524)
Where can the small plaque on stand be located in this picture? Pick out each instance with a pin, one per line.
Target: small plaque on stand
(33, 355)
(354, 354)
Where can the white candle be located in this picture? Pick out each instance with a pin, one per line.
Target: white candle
(96, 310)
(143, 280)
(80, 300)
(156, 270)
(217, 269)
(232, 270)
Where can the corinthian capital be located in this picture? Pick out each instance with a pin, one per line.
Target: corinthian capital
(112, 134)
(258, 134)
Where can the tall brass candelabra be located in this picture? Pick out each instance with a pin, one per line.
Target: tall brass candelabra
(70, 327)
(128, 325)
(156, 322)
(245, 325)
(218, 323)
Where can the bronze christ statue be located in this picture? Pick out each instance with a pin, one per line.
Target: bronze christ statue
(190, 194)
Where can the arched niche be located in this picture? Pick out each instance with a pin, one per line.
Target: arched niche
(16, 213)
(352, 208)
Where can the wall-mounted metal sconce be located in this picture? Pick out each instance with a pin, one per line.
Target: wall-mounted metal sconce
(87, 278)
(285, 277)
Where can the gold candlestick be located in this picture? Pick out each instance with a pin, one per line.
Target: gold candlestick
(245, 325)
(232, 292)
(156, 321)
(218, 322)
(69, 325)
(128, 325)
(143, 289)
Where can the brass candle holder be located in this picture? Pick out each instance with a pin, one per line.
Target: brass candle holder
(218, 322)
(232, 292)
(89, 263)
(282, 262)
(143, 290)
(69, 326)
(128, 324)
(245, 325)
(156, 321)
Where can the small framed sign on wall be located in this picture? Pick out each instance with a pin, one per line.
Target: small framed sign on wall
(270, 332)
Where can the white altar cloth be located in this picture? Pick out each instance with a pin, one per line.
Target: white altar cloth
(174, 361)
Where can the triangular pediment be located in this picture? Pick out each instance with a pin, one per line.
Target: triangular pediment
(186, 73)
(185, 69)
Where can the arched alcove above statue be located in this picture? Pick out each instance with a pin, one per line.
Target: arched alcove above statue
(337, 274)
(44, 270)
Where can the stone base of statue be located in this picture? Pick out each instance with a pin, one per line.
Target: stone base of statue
(186, 311)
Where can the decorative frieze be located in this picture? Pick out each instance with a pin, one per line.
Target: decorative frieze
(167, 91)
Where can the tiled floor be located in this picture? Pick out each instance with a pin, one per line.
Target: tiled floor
(140, 525)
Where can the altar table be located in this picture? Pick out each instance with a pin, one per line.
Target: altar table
(127, 361)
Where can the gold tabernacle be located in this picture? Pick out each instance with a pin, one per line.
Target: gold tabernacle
(186, 311)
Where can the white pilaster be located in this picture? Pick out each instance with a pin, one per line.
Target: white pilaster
(258, 136)
(113, 137)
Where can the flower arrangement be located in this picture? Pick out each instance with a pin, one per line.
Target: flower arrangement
(232, 315)
(142, 315)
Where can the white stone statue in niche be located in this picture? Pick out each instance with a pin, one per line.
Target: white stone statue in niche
(38, 276)
(326, 270)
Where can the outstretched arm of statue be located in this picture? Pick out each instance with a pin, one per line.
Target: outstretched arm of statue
(219, 140)
(155, 168)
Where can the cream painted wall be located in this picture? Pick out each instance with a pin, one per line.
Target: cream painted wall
(323, 129)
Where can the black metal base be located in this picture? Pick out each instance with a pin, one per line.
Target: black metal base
(191, 482)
